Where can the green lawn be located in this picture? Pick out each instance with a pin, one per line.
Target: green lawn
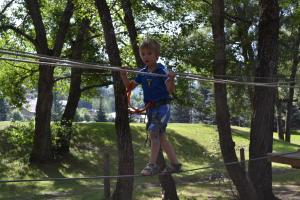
(196, 145)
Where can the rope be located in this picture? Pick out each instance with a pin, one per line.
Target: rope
(56, 61)
(241, 77)
(213, 166)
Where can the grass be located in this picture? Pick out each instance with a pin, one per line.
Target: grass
(196, 145)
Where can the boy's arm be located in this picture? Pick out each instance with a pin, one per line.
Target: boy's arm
(127, 83)
(170, 82)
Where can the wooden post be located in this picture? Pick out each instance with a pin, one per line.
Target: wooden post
(242, 158)
(106, 173)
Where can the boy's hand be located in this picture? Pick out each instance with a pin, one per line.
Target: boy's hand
(171, 75)
(170, 82)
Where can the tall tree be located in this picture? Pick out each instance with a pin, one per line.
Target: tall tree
(124, 186)
(292, 84)
(132, 32)
(64, 136)
(236, 173)
(42, 146)
(261, 134)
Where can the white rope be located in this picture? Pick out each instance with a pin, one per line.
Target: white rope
(55, 61)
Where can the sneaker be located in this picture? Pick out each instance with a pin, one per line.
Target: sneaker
(150, 170)
(173, 168)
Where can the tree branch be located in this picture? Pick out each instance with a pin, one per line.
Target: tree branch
(230, 17)
(20, 67)
(61, 78)
(18, 32)
(6, 7)
(22, 78)
(63, 27)
(96, 85)
(34, 11)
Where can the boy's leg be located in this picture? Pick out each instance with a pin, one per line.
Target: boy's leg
(175, 166)
(152, 168)
(158, 119)
(168, 148)
(155, 145)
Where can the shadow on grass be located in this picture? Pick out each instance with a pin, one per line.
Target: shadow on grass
(89, 141)
(278, 145)
(190, 150)
(287, 191)
(187, 149)
(69, 167)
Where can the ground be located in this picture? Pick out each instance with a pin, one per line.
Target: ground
(287, 192)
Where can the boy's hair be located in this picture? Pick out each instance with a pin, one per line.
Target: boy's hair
(151, 44)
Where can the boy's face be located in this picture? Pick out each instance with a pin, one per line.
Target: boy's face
(149, 56)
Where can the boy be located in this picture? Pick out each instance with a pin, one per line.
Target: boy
(157, 90)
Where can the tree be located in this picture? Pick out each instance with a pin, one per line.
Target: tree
(124, 186)
(64, 135)
(261, 134)
(42, 146)
(292, 84)
(132, 32)
(236, 173)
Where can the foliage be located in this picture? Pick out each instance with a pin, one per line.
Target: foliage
(64, 131)
(182, 27)
(16, 115)
(18, 135)
(82, 114)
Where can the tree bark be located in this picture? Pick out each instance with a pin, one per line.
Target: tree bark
(261, 134)
(124, 186)
(129, 21)
(64, 136)
(236, 172)
(42, 146)
(291, 89)
(167, 182)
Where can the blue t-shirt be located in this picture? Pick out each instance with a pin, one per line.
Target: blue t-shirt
(154, 87)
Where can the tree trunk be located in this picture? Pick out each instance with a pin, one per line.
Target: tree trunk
(42, 147)
(236, 172)
(261, 134)
(129, 21)
(124, 186)
(291, 89)
(167, 182)
(64, 136)
(279, 117)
